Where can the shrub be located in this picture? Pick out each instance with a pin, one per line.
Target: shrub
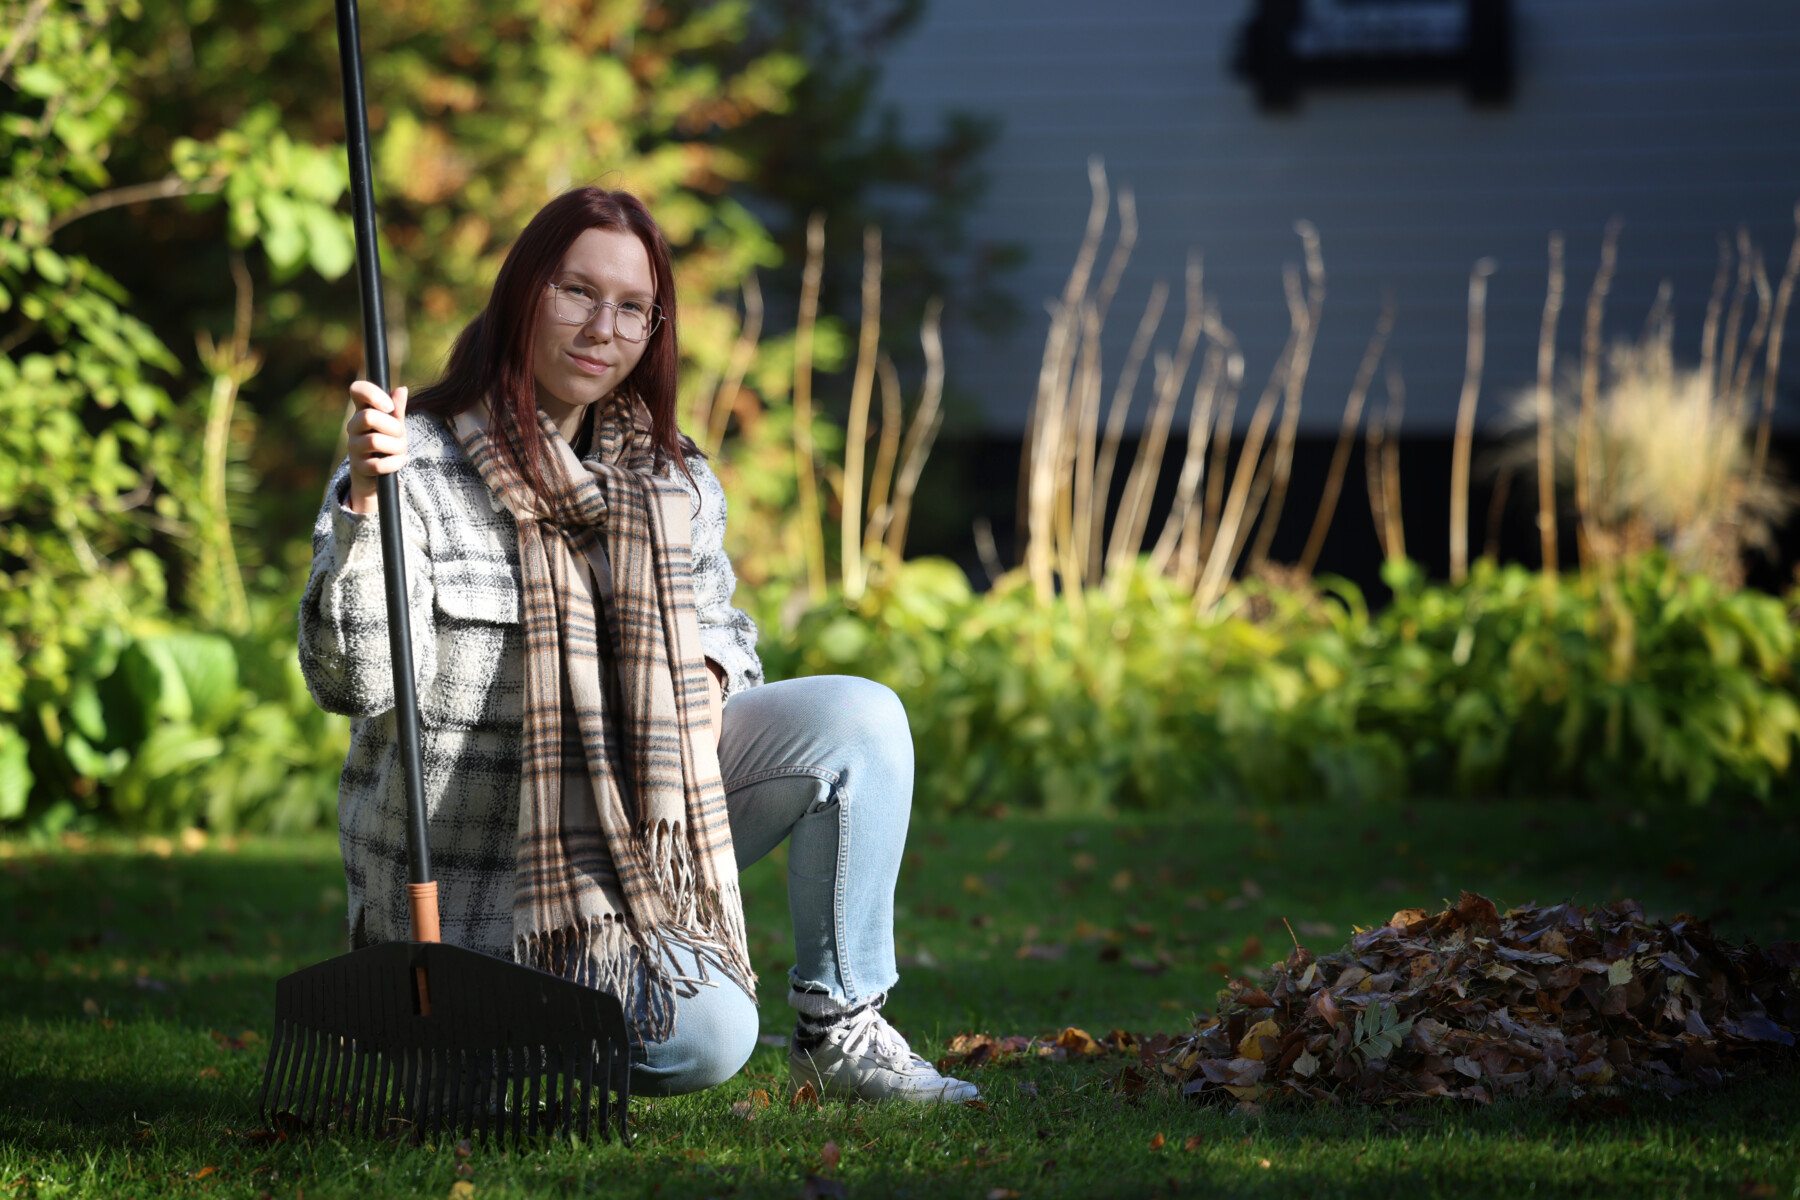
(1652, 683)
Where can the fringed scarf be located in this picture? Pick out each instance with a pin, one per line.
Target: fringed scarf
(611, 871)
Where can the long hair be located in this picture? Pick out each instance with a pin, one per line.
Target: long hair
(491, 359)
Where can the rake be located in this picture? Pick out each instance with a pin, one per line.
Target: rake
(421, 1036)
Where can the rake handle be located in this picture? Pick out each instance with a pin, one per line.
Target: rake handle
(421, 891)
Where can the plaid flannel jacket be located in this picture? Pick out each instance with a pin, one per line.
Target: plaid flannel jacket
(462, 570)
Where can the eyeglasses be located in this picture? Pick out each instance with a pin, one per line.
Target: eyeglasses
(576, 304)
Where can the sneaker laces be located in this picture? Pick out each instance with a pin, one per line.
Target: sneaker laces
(867, 1033)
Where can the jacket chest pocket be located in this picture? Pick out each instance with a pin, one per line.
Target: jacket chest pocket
(480, 646)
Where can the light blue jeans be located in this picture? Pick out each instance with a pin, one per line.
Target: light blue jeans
(825, 761)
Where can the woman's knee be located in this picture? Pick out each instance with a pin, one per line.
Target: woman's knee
(715, 1034)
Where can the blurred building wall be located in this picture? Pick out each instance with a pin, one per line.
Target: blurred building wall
(1682, 117)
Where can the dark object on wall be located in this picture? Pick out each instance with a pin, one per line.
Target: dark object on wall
(1288, 45)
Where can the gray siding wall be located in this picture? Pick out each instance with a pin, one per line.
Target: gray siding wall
(1682, 117)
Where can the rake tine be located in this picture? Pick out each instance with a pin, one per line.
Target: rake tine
(452, 1091)
(353, 1073)
(622, 1077)
(568, 1091)
(277, 1044)
(587, 1093)
(483, 1089)
(384, 1067)
(428, 1085)
(335, 1048)
(303, 1084)
(515, 1077)
(534, 1120)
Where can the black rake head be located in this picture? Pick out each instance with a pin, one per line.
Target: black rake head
(418, 1037)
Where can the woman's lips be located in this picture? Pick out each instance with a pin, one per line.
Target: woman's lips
(589, 366)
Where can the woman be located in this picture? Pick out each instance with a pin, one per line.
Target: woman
(601, 754)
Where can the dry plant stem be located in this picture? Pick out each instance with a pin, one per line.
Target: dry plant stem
(812, 533)
(1590, 395)
(1340, 453)
(743, 353)
(1465, 420)
(1193, 460)
(1709, 329)
(1074, 506)
(1772, 364)
(1116, 413)
(137, 193)
(1044, 426)
(1390, 465)
(231, 365)
(1193, 546)
(1372, 476)
(1215, 476)
(1496, 516)
(1659, 322)
(1222, 555)
(22, 33)
(1728, 347)
(1546, 419)
(885, 453)
(921, 433)
(1121, 253)
(1265, 467)
(1290, 413)
(1759, 329)
(856, 433)
(1134, 506)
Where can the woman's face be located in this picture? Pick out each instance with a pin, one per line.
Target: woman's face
(576, 365)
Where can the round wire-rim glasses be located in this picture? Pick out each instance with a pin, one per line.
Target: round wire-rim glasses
(576, 304)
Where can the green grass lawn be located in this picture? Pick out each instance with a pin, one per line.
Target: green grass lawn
(137, 991)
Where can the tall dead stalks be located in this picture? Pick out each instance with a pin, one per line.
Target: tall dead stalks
(1546, 416)
(1290, 415)
(1134, 506)
(1590, 392)
(921, 433)
(1461, 449)
(812, 533)
(856, 432)
(1340, 453)
(1772, 364)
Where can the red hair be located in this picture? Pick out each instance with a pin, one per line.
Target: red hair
(492, 355)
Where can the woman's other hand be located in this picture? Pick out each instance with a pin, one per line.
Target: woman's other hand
(377, 440)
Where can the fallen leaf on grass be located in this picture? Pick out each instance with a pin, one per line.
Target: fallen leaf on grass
(203, 1172)
(1156, 1142)
(1194, 1142)
(1042, 952)
(1076, 1041)
(829, 1154)
(1001, 1193)
(462, 1189)
(806, 1095)
(209, 1072)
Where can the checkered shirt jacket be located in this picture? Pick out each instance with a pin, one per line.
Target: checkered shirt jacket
(462, 569)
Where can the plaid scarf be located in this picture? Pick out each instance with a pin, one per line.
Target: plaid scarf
(612, 870)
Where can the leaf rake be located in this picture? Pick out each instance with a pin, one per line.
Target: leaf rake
(420, 1036)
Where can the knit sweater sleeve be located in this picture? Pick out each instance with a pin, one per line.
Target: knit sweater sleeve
(727, 634)
(343, 627)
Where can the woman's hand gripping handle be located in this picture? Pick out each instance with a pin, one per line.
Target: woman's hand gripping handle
(376, 434)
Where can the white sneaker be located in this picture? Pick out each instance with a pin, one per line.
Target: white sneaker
(861, 1057)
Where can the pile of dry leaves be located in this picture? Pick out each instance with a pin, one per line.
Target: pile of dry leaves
(1473, 1004)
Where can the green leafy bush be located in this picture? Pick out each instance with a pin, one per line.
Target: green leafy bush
(1650, 683)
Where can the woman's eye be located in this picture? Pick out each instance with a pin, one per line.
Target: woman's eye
(577, 291)
(635, 306)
